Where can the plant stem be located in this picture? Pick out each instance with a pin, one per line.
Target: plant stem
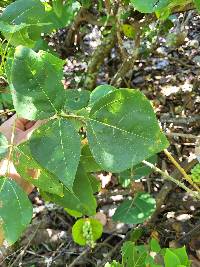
(170, 178)
(182, 171)
(6, 112)
(189, 136)
(10, 149)
(72, 116)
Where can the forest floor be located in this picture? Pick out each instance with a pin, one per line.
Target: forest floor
(169, 77)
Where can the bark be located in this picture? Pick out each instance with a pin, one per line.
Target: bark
(82, 16)
(97, 59)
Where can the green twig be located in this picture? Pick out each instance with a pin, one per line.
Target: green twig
(72, 116)
(172, 179)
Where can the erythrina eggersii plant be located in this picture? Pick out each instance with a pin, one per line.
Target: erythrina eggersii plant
(121, 131)
(115, 121)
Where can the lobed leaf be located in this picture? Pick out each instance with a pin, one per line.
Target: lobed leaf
(155, 246)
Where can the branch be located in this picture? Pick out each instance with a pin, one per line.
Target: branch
(97, 59)
(172, 179)
(168, 186)
(179, 120)
(182, 171)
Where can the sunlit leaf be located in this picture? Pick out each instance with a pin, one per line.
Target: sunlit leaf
(78, 231)
(117, 130)
(137, 210)
(56, 147)
(35, 80)
(99, 92)
(76, 99)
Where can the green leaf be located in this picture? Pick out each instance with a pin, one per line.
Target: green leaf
(113, 264)
(132, 256)
(117, 130)
(15, 210)
(129, 31)
(78, 230)
(56, 147)
(35, 82)
(155, 247)
(156, 265)
(84, 191)
(195, 173)
(19, 34)
(68, 201)
(23, 12)
(95, 184)
(9, 28)
(65, 16)
(76, 99)
(171, 259)
(73, 213)
(81, 199)
(149, 6)
(3, 146)
(136, 172)
(99, 92)
(136, 234)
(181, 253)
(27, 167)
(30, 13)
(141, 170)
(88, 161)
(136, 210)
(58, 7)
(197, 4)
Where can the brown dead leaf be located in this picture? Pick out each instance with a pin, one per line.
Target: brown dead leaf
(137, 187)
(100, 216)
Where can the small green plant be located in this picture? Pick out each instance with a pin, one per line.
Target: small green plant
(195, 174)
(151, 255)
(87, 231)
